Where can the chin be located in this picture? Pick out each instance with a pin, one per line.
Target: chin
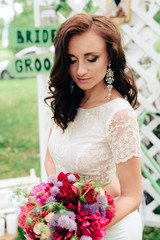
(84, 87)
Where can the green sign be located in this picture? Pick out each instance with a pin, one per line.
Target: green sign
(32, 36)
(30, 65)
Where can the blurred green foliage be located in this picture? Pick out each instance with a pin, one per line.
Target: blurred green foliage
(156, 17)
(19, 136)
(157, 46)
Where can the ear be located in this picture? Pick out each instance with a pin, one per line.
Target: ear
(109, 62)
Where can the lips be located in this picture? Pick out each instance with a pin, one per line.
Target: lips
(83, 80)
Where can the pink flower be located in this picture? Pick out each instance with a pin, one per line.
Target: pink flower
(91, 225)
(41, 192)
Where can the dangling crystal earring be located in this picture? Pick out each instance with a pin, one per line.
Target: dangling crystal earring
(109, 80)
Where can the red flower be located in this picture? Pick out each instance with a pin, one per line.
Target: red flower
(110, 213)
(109, 198)
(29, 216)
(91, 225)
(89, 193)
(26, 211)
(68, 195)
(63, 177)
(62, 233)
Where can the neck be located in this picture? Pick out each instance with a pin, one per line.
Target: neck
(96, 93)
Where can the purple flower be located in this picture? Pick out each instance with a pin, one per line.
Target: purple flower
(58, 184)
(52, 179)
(85, 206)
(51, 238)
(65, 222)
(103, 212)
(93, 207)
(71, 178)
(54, 191)
(53, 223)
(84, 237)
(71, 215)
(102, 201)
(50, 199)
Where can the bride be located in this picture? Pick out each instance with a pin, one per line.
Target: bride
(94, 130)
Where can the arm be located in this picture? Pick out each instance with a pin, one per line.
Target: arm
(49, 164)
(129, 174)
(125, 147)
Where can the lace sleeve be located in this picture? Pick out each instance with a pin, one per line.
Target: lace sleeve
(123, 135)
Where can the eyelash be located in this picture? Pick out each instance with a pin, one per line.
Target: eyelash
(94, 59)
(89, 60)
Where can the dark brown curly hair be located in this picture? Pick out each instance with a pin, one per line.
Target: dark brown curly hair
(64, 102)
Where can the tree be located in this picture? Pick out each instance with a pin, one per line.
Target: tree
(26, 17)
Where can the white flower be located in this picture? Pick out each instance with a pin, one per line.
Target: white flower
(101, 192)
(41, 229)
(48, 217)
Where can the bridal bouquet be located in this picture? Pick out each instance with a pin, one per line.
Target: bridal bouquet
(67, 207)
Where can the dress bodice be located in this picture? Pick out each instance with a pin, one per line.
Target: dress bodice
(96, 141)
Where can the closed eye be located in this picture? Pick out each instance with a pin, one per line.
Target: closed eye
(93, 59)
(72, 59)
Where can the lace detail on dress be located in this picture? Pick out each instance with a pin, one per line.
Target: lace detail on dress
(96, 140)
(124, 135)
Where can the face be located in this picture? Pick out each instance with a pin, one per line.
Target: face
(88, 60)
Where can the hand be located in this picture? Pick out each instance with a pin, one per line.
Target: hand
(27, 237)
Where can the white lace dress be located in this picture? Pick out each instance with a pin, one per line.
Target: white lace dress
(93, 144)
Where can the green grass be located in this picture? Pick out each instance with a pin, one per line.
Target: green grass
(6, 53)
(19, 143)
(151, 233)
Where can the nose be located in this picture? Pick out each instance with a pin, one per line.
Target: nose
(82, 69)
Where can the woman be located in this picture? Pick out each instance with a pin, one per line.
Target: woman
(94, 130)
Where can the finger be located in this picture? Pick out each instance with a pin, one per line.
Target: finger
(27, 237)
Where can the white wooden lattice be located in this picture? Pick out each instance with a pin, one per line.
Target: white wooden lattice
(139, 36)
(7, 203)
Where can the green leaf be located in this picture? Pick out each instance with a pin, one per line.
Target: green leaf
(108, 207)
(29, 220)
(65, 10)
(58, 8)
(90, 8)
(82, 199)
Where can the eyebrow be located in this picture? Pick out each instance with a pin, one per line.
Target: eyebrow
(86, 54)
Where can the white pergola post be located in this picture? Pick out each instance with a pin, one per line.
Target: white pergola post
(43, 112)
